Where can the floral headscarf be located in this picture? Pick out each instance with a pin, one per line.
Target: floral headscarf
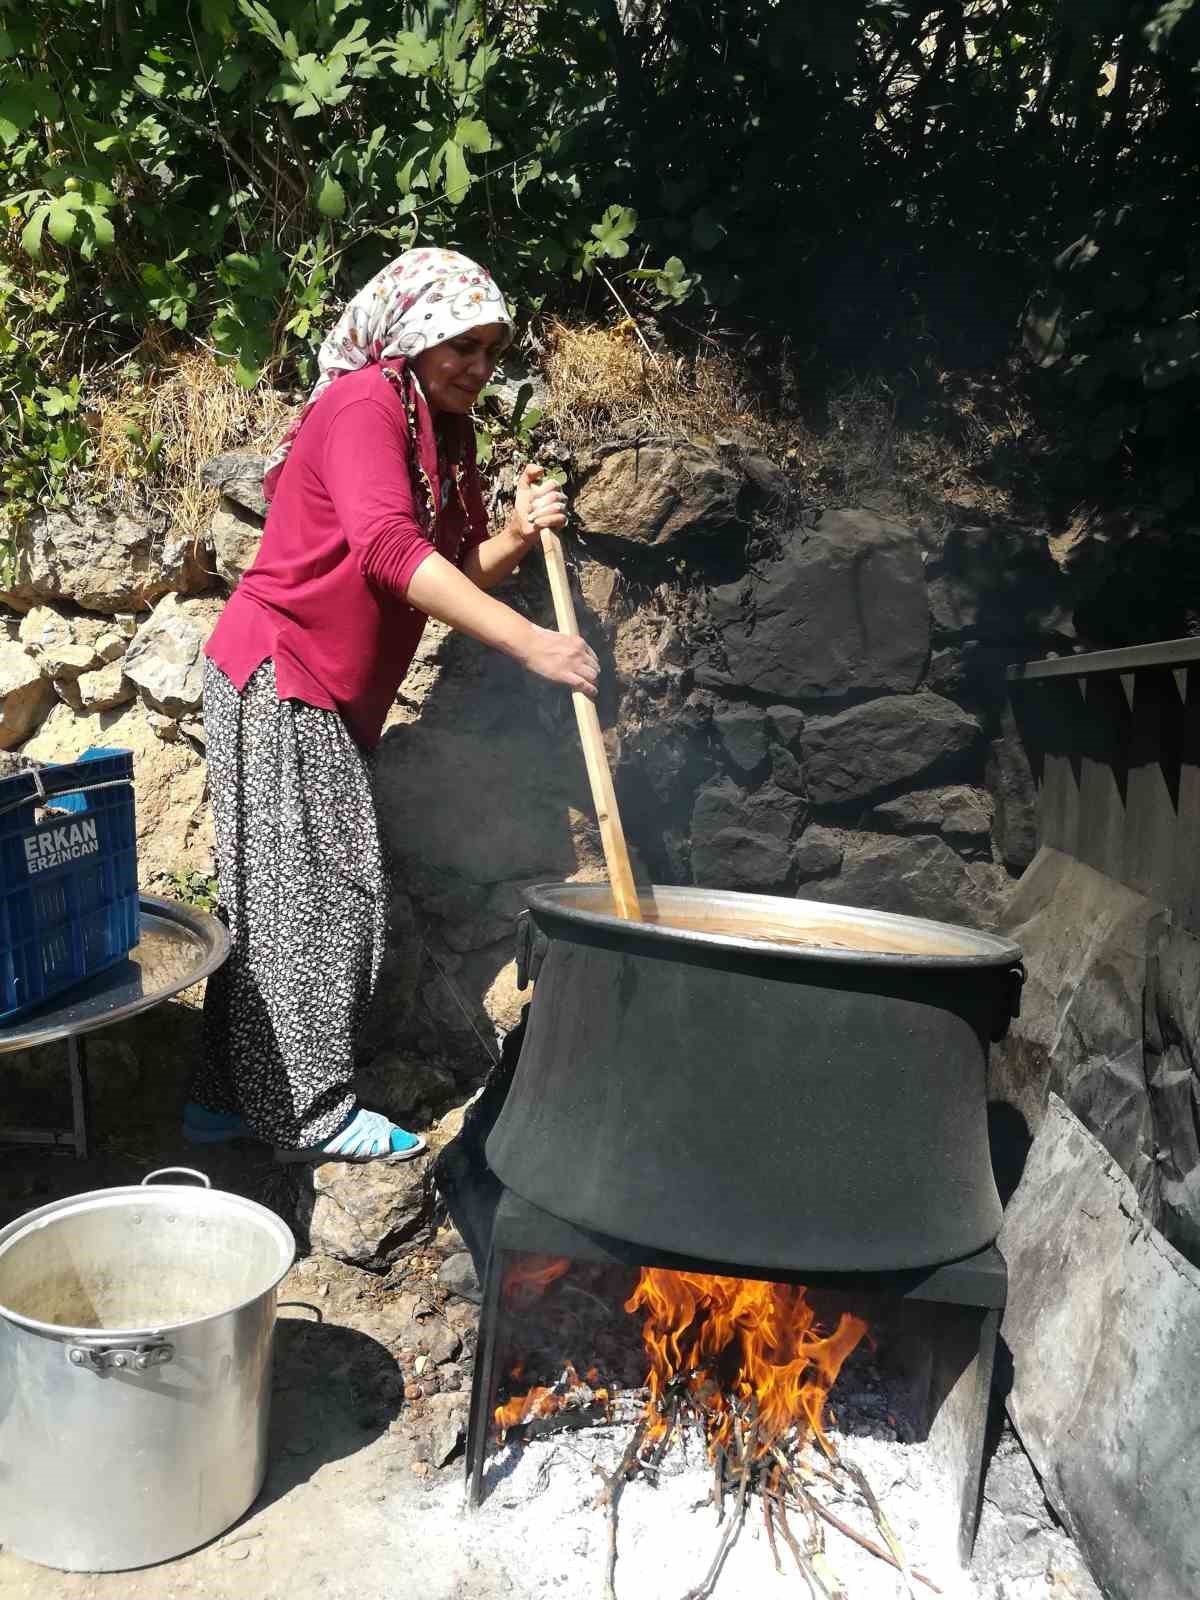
(419, 300)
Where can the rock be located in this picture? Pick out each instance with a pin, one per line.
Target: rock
(657, 493)
(1021, 1537)
(763, 478)
(480, 732)
(364, 1214)
(111, 644)
(238, 476)
(919, 877)
(743, 730)
(1084, 940)
(67, 690)
(105, 688)
(961, 814)
(99, 560)
(1014, 794)
(861, 754)
(395, 992)
(999, 584)
(508, 381)
(740, 840)
(448, 1414)
(503, 1000)
(174, 829)
(235, 536)
(457, 1276)
(1172, 1060)
(401, 1088)
(445, 1346)
(166, 658)
(736, 858)
(787, 725)
(818, 854)
(25, 696)
(599, 587)
(842, 611)
(63, 646)
(1103, 1325)
(164, 727)
(787, 773)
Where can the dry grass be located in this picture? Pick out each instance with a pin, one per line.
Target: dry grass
(971, 439)
(195, 408)
(603, 378)
(957, 441)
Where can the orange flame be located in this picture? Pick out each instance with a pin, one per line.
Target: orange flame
(544, 1402)
(738, 1338)
(530, 1276)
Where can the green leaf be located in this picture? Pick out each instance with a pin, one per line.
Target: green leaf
(330, 197)
(61, 220)
(31, 234)
(413, 57)
(18, 109)
(102, 228)
(260, 275)
(262, 22)
(458, 179)
(472, 134)
(707, 232)
(613, 230)
(150, 81)
(216, 16)
(230, 73)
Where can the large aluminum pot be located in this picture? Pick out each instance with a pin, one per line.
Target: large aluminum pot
(135, 1371)
(756, 1081)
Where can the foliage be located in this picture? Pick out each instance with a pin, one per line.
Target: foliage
(1119, 325)
(861, 176)
(193, 888)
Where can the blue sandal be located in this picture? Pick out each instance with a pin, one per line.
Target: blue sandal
(202, 1126)
(368, 1136)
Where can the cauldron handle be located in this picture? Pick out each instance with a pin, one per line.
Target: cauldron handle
(532, 945)
(1010, 1003)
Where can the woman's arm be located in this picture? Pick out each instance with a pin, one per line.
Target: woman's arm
(539, 505)
(366, 475)
(438, 588)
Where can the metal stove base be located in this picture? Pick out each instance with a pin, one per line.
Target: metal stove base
(946, 1321)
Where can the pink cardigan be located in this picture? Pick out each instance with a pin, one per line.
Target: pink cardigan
(325, 597)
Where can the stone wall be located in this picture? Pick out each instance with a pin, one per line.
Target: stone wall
(798, 703)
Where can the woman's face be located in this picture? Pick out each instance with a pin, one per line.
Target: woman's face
(453, 373)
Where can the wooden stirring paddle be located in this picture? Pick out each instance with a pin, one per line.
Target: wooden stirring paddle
(612, 835)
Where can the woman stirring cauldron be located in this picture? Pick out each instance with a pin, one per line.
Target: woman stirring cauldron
(376, 522)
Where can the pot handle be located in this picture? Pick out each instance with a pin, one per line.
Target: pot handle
(1010, 1006)
(121, 1357)
(532, 945)
(161, 1172)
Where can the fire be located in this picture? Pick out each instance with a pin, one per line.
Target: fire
(530, 1276)
(739, 1341)
(544, 1402)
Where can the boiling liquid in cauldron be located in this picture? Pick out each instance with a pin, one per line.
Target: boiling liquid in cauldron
(807, 927)
(814, 935)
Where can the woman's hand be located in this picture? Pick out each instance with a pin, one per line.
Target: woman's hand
(563, 658)
(540, 504)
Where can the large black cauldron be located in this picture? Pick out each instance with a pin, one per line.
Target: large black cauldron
(713, 1090)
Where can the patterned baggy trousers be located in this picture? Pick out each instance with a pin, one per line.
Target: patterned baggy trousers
(303, 891)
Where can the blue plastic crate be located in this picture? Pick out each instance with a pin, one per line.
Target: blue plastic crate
(68, 876)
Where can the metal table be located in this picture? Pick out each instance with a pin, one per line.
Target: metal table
(178, 946)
